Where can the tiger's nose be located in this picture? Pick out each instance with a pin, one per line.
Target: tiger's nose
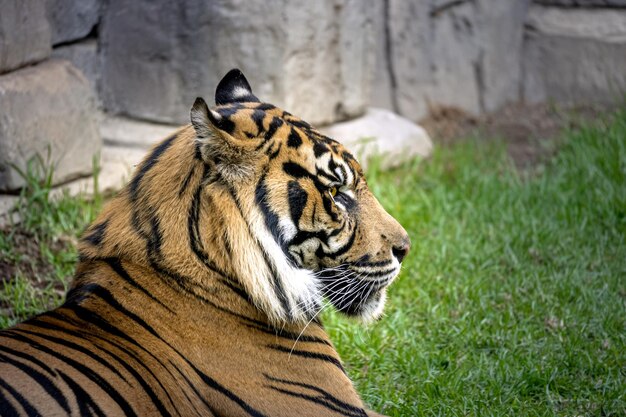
(402, 249)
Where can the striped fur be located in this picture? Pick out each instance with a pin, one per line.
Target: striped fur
(198, 286)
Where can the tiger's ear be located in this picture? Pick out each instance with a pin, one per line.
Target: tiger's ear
(234, 158)
(234, 88)
(205, 120)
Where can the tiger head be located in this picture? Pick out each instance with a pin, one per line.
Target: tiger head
(257, 198)
(312, 227)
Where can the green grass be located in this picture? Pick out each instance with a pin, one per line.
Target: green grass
(38, 256)
(513, 298)
(511, 302)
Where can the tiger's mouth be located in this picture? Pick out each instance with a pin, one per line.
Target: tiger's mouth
(358, 289)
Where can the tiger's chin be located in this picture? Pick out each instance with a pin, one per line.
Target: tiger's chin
(368, 311)
(361, 298)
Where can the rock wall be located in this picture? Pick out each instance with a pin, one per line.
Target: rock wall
(47, 107)
(448, 53)
(24, 34)
(47, 110)
(325, 60)
(575, 55)
(311, 57)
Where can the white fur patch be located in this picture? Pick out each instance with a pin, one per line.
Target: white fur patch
(299, 286)
(239, 92)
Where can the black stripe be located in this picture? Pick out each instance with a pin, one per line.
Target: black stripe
(30, 410)
(284, 334)
(185, 183)
(118, 268)
(230, 110)
(85, 403)
(273, 154)
(71, 345)
(330, 176)
(147, 164)
(193, 229)
(275, 124)
(265, 106)
(319, 401)
(297, 198)
(309, 355)
(97, 233)
(301, 124)
(319, 390)
(296, 170)
(89, 373)
(198, 394)
(294, 140)
(155, 399)
(6, 408)
(257, 117)
(261, 197)
(30, 358)
(237, 290)
(345, 248)
(363, 261)
(320, 149)
(41, 379)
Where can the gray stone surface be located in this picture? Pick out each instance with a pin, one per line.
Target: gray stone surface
(121, 131)
(71, 20)
(464, 54)
(84, 56)
(24, 33)
(575, 56)
(583, 3)
(47, 109)
(315, 59)
(116, 167)
(383, 133)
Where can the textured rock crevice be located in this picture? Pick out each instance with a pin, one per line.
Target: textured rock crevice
(47, 110)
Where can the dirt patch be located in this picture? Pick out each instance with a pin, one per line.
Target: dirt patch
(530, 132)
(26, 257)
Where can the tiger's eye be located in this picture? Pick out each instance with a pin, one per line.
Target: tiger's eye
(333, 191)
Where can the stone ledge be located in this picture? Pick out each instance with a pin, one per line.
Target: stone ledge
(121, 131)
(583, 3)
(606, 25)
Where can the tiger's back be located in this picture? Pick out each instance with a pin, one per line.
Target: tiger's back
(198, 287)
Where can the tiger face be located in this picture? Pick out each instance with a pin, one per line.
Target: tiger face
(319, 228)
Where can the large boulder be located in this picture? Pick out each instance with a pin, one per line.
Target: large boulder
(575, 56)
(47, 110)
(315, 61)
(71, 20)
(448, 53)
(384, 134)
(24, 33)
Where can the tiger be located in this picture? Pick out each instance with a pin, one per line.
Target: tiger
(198, 288)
